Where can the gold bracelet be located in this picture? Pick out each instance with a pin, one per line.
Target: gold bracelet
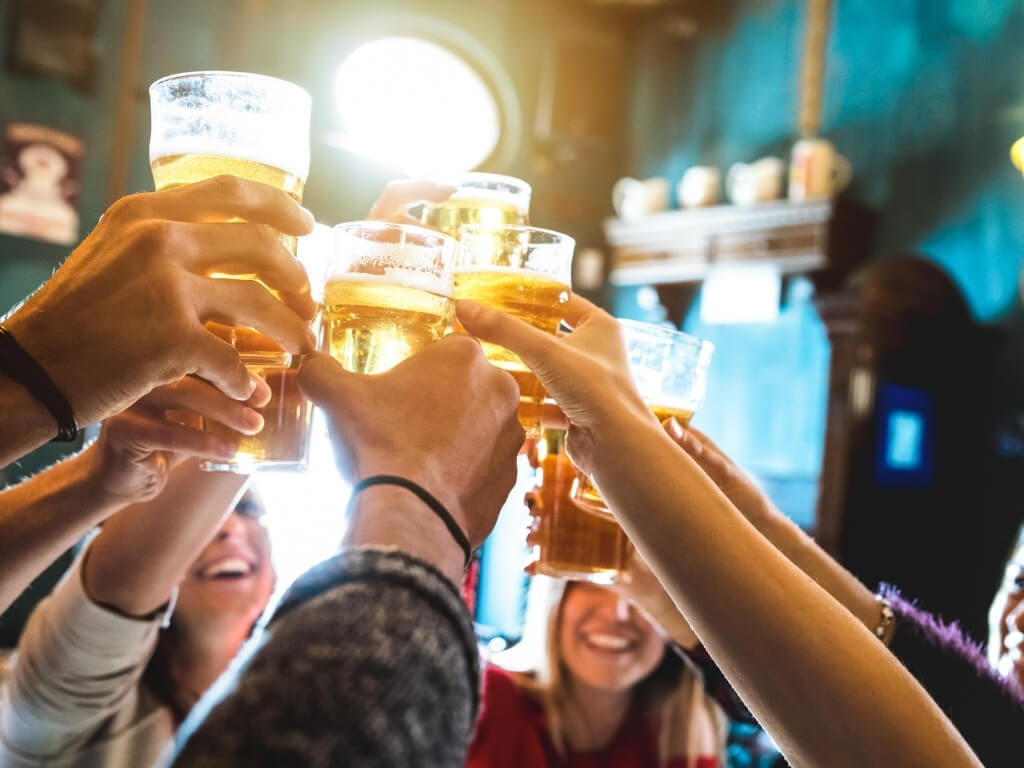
(886, 617)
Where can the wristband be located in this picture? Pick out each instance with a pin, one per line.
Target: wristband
(436, 506)
(16, 363)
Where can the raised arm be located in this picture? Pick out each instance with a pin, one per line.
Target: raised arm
(125, 313)
(86, 645)
(43, 516)
(371, 660)
(825, 688)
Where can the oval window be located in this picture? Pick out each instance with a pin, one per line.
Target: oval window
(417, 105)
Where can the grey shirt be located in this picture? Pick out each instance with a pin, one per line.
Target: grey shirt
(370, 660)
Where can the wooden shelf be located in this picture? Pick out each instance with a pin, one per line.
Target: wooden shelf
(683, 246)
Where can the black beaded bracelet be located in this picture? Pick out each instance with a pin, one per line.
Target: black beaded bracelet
(17, 364)
(424, 496)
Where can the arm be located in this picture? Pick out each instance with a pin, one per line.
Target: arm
(371, 659)
(24, 423)
(796, 545)
(81, 656)
(824, 688)
(43, 516)
(156, 541)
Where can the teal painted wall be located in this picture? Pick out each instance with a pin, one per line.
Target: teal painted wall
(25, 264)
(925, 97)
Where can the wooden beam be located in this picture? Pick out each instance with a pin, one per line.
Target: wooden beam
(124, 108)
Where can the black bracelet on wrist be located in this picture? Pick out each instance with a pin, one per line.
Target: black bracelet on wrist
(17, 364)
(436, 506)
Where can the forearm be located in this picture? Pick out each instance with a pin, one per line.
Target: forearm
(810, 558)
(814, 677)
(143, 552)
(24, 423)
(369, 661)
(45, 515)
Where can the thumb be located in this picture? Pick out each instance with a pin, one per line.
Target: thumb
(324, 381)
(534, 346)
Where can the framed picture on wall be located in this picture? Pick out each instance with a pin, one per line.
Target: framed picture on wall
(55, 38)
(39, 181)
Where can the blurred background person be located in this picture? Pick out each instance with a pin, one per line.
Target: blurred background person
(595, 681)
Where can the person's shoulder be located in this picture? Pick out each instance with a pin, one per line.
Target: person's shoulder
(500, 685)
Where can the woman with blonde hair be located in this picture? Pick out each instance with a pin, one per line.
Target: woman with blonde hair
(598, 682)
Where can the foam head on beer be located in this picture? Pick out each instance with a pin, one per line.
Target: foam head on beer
(389, 293)
(205, 123)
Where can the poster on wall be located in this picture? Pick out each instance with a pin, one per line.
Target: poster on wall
(39, 182)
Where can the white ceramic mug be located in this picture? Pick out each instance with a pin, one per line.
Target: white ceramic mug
(757, 182)
(817, 171)
(633, 198)
(699, 187)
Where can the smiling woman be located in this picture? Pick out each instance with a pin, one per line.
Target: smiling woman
(593, 682)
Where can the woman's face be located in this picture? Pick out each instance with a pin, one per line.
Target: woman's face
(1006, 622)
(604, 641)
(233, 578)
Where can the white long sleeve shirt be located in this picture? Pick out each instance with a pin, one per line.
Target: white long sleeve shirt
(71, 695)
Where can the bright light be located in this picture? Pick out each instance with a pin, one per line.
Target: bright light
(1017, 153)
(417, 106)
(305, 510)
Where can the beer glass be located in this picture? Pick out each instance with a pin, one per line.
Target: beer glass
(669, 369)
(256, 127)
(569, 540)
(480, 199)
(526, 272)
(583, 541)
(388, 294)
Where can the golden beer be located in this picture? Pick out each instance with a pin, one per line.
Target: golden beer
(372, 323)
(537, 299)
(283, 439)
(570, 541)
(455, 213)
(584, 490)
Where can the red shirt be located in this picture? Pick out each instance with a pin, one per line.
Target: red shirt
(512, 733)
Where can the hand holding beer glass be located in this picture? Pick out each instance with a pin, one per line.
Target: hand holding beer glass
(526, 272)
(576, 536)
(205, 124)
(388, 295)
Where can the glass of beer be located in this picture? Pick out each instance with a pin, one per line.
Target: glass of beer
(670, 371)
(388, 294)
(526, 272)
(569, 540)
(480, 199)
(255, 127)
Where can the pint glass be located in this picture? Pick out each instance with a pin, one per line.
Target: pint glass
(480, 199)
(569, 540)
(388, 294)
(526, 272)
(255, 127)
(670, 371)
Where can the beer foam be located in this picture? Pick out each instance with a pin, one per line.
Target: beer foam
(517, 200)
(498, 269)
(407, 278)
(293, 160)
